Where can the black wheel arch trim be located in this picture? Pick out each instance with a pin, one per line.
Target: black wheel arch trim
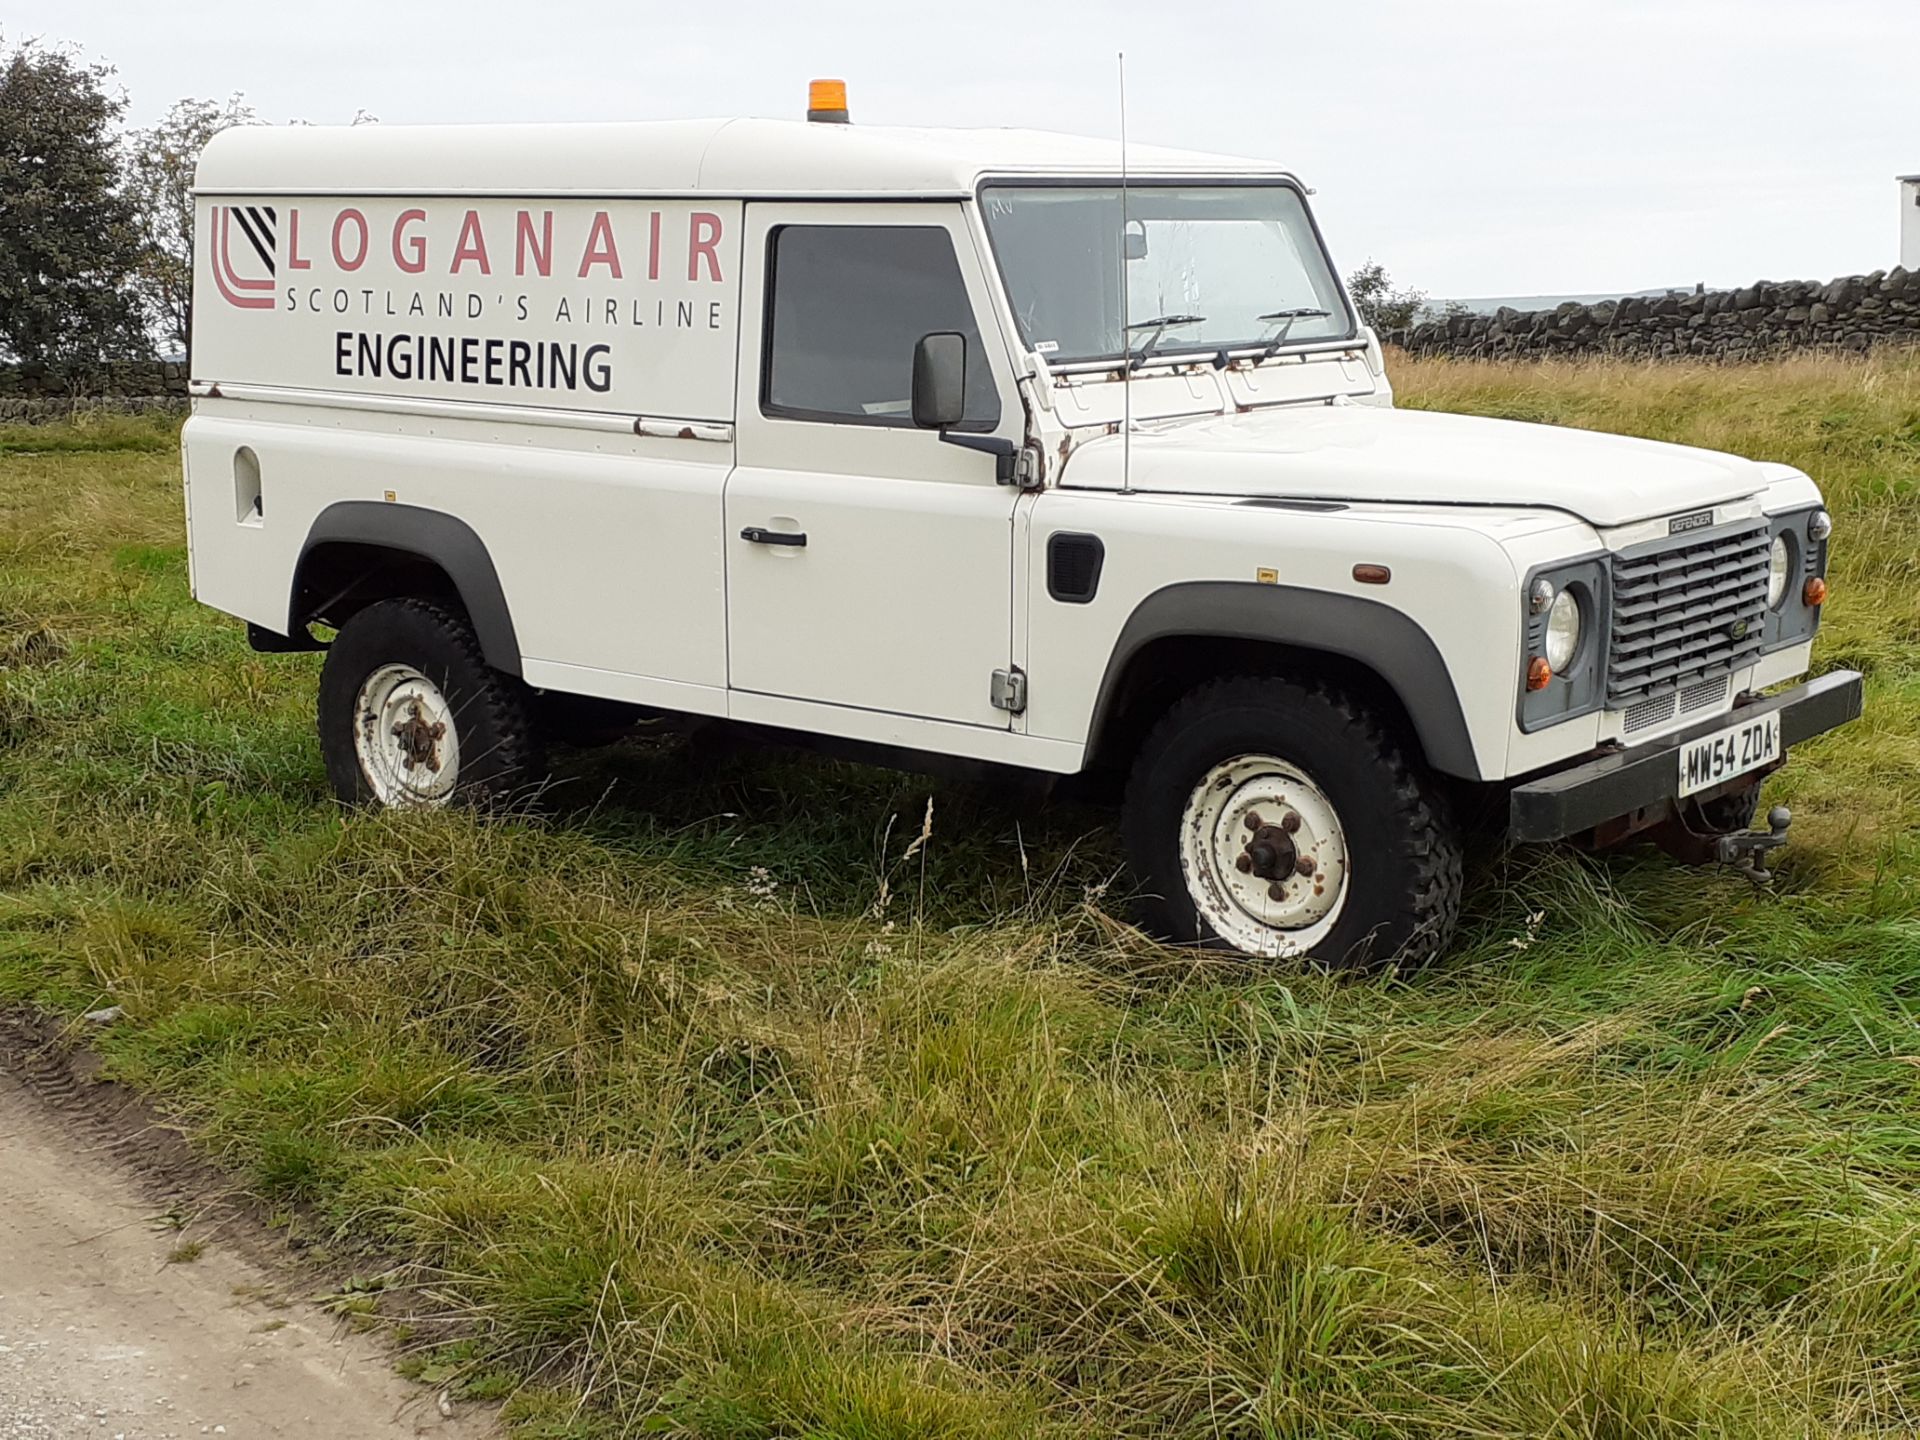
(1367, 632)
(445, 540)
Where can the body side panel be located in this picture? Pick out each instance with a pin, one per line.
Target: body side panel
(607, 547)
(1453, 584)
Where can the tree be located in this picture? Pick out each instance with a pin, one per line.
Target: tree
(68, 239)
(160, 166)
(1382, 306)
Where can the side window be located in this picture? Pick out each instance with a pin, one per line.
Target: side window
(849, 302)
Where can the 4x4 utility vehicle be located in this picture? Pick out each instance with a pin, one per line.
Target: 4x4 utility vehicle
(958, 444)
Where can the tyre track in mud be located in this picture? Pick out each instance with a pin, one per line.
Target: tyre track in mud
(142, 1297)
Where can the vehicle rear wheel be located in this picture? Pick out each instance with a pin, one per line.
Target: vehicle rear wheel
(411, 716)
(1282, 820)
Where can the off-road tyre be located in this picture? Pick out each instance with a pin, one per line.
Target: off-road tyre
(1404, 874)
(492, 711)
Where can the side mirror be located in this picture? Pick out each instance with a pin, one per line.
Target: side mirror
(940, 380)
(1134, 244)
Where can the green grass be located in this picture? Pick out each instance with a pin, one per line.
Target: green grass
(94, 432)
(757, 1097)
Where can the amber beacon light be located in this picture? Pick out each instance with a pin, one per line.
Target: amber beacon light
(827, 101)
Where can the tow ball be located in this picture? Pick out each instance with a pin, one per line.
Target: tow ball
(1744, 851)
(1747, 851)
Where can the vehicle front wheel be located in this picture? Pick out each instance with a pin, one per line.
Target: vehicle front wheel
(1282, 819)
(411, 715)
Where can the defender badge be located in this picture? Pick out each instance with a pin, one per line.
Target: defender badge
(1699, 520)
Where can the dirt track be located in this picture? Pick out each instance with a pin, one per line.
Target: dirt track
(100, 1336)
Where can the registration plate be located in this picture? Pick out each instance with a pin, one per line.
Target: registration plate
(1733, 751)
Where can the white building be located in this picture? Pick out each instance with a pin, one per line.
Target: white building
(1910, 221)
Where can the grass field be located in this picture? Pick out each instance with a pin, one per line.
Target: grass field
(763, 1097)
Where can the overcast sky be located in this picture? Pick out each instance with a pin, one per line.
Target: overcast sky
(1476, 147)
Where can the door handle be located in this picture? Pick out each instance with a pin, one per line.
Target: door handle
(760, 535)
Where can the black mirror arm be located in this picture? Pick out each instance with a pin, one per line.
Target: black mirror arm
(1005, 453)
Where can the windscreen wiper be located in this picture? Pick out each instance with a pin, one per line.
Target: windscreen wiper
(1159, 325)
(1284, 319)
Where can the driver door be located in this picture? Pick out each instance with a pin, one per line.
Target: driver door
(869, 564)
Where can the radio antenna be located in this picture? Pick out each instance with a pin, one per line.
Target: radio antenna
(1126, 330)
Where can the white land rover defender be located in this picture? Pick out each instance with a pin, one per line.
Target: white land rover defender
(955, 444)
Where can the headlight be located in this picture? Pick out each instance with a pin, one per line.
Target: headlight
(1779, 563)
(1796, 577)
(1563, 631)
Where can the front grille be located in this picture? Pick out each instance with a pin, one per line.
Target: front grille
(1643, 713)
(1700, 696)
(1686, 609)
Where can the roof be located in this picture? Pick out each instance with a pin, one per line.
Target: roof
(665, 157)
(1908, 179)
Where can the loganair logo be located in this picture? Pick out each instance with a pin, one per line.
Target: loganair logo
(243, 248)
(394, 295)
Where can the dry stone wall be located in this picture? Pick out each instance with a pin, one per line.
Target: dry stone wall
(107, 380)
(1854, 313)
(37, 394)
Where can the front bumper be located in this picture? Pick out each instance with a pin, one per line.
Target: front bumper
(1646, 778)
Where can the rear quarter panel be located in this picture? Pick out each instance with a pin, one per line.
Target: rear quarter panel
(607, 546)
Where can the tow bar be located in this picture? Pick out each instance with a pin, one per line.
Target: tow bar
(1744, 852)
(1747, 851)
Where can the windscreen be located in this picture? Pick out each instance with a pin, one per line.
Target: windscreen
(1228, 266)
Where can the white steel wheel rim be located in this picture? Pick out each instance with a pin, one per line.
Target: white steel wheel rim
(1251, 829)
(405, 738)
